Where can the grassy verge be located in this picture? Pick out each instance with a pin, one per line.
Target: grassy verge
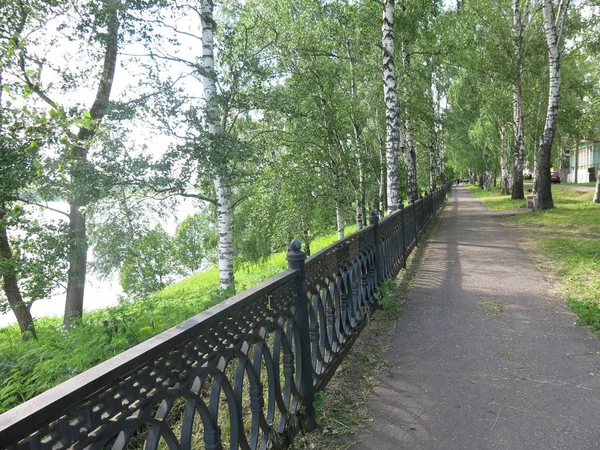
(565, 242)
(29, 368)
(493, 200)
(590, 184)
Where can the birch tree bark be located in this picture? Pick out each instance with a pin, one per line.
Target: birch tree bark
(410, 161)
(519, 139)
(359, 191)
(360, 198)
(339, 218)
(222, 177)
(410, 157)
(383, 205)
(442, 165)
(434, 157)
(553, 26)
(392, 114)
(505, 162)
(433, 163)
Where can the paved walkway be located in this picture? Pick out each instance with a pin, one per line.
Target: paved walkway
(483, 356)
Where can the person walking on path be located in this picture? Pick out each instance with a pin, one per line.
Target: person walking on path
(484, 357)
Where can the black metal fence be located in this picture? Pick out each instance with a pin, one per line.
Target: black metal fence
(240, 375)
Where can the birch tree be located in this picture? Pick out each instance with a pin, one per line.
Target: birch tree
(519, 140)
(554, 21)
(214, 123)
(392, 113)
(408, 134)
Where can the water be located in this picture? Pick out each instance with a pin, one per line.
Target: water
(99, 292)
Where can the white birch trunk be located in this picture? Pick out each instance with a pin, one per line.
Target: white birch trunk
(434, 158)
(360, 198)
(222, 179)
(433, 165)
(441, 163)
(410, 157)
(382, 172)
(553, 25)
(392, 114)
(357, 129)
(504, 162)
(339, 217)
(410, 161)
(519, 138)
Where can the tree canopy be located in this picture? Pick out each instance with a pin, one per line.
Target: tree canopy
(279, 119)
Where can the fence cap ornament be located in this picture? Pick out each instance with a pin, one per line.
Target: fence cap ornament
(374, 217)
(294, 251)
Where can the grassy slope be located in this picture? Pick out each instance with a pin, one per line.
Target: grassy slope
(567, 244)
(29, 368)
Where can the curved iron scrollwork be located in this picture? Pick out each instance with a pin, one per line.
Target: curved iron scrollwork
(239, 375)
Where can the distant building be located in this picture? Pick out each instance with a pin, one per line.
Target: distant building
(584, 160)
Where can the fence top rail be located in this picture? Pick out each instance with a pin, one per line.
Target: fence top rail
(351, 237)
(335, 246)
(52, 403)
(390, 217)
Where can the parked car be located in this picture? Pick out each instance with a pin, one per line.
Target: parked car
(554, 177)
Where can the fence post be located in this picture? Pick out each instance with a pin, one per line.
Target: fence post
(296, 260)
(403, 236)
(374, 220)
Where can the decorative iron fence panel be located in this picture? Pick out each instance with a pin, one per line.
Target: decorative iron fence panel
(241, 375)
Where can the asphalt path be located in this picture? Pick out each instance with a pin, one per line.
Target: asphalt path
(484, 357)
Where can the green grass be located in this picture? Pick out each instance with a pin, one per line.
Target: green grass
(590, 184)
(566, 240)
(29, 368)
(493, 200)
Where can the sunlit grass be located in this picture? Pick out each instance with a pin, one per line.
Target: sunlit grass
(590, 184)
(493, 200)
